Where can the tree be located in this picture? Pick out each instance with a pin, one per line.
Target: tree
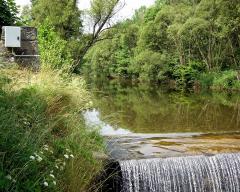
(8, 13)
(63, 15)
(101, 15)
(26, 17)
(173, 39)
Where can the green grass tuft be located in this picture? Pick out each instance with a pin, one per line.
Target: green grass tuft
(44, 144)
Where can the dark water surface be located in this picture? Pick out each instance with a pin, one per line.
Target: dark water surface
(149, 121)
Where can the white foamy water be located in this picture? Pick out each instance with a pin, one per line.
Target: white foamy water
(220, 173)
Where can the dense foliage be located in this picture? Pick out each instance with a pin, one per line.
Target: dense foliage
(8, 13)
(55, 51)
(45, 145)
(62, 42)
(177, 40)
(64, 16)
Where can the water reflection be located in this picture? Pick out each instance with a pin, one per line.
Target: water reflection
(92, 119)
(143, 109)
(147, 121)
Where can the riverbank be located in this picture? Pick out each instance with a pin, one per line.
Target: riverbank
(228, 80)
(198, 49)
(44, 142)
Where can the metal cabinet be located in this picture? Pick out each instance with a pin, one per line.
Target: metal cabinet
(12, 36)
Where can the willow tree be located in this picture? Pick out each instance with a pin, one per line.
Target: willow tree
(101, 16)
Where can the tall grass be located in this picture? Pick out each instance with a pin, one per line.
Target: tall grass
(44, 144)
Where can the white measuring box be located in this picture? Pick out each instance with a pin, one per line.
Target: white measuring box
(12, 36)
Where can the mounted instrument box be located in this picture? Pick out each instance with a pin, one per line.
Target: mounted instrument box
(12, 36)
(20, 45)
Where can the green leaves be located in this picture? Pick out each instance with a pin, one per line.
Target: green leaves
(63, 15)
(55, 52)
(8, 13)
(171, 38)
(149, 65)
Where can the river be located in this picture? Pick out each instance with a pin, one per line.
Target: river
(148, 121)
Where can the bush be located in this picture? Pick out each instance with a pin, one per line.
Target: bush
(149, 66)
(55, 51)
(226, 80)
(100, 61)
(206, 80)
(186, 75)
(43, 141)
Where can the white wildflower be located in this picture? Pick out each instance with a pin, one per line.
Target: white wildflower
(54, 183)
(56, 166)
(66, 156)
(32, 157)
(51, 171)
(51, 175)
(64, 164)
(72, 156)
(9, 177)
(68, 150)
(45, 183)
(45, 148)
(39, 159)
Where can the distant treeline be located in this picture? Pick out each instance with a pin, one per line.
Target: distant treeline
(192, 42)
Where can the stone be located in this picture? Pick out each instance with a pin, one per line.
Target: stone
(100, 155)
(28, 62)
(27, 48)
(28, 34)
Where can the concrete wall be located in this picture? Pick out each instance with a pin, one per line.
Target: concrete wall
(26, 55)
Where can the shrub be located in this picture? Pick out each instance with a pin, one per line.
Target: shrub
(226, 80)
(206, 80)
(186, 75)
(55, 51)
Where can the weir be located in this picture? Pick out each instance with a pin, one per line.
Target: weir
(162, 141)
(219, 173)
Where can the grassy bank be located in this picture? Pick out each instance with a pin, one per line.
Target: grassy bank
(44, 144)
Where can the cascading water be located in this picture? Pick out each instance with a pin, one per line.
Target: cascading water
(220, 173)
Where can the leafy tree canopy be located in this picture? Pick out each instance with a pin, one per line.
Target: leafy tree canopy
(63, 15)
(8, 13)
(172, 40)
